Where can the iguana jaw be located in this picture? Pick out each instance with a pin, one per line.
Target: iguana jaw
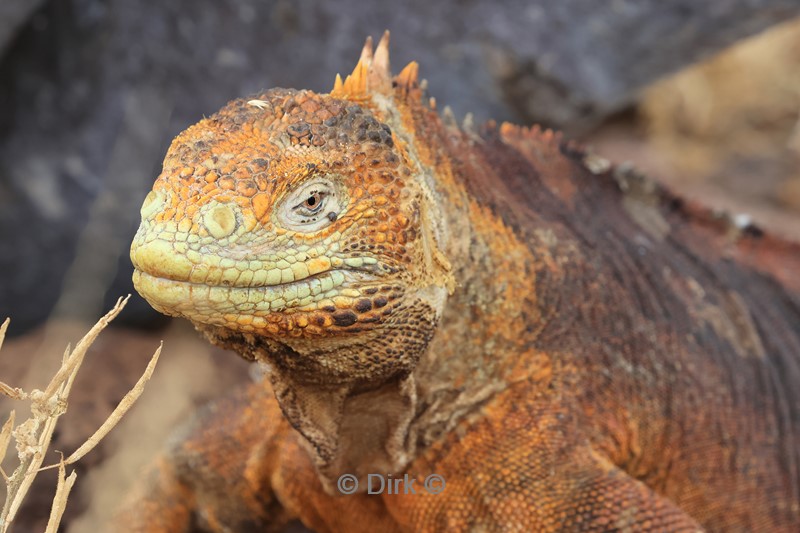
(247, 308)
(269, 296)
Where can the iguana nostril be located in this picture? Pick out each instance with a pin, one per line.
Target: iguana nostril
(152, 204)
(220, 221)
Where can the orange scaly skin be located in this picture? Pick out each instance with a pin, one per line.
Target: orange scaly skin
(569, 346)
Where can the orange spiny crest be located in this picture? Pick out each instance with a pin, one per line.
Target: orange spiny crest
(408, 79)
(535, 133)
(373, 75)
(509, 129)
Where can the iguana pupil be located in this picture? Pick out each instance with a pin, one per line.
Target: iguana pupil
(313, 202)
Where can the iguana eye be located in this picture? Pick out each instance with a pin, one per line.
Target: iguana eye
(312, 206)
(313, 203)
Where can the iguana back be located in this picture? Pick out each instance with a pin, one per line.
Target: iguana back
(681, 326)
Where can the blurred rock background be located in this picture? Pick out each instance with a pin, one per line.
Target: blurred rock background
(92, 92)
(725, 131)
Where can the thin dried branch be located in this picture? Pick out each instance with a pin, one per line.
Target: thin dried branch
(122, 408)
(3, 328)
(60, 500)
(33, 436)
(5, 438)
(14, 393)
(9, 391)
(66, 373)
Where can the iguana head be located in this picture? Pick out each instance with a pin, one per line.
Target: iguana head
(298, 227)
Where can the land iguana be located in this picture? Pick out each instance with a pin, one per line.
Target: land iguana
(563, 344)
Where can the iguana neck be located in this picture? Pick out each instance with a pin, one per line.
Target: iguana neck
(481, 342)
(347, 429)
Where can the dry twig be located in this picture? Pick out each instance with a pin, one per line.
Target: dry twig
(33, 436)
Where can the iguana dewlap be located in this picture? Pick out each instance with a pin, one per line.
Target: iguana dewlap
(567, 345)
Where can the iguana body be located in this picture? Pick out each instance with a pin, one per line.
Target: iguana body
(568, 346)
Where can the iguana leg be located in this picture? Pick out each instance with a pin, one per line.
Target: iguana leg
(217, 475)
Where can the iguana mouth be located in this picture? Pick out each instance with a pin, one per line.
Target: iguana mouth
(334, 275)
(160, 259)
(204, 286)
(192, 299)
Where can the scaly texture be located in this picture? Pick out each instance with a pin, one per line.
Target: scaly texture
(569, 346)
